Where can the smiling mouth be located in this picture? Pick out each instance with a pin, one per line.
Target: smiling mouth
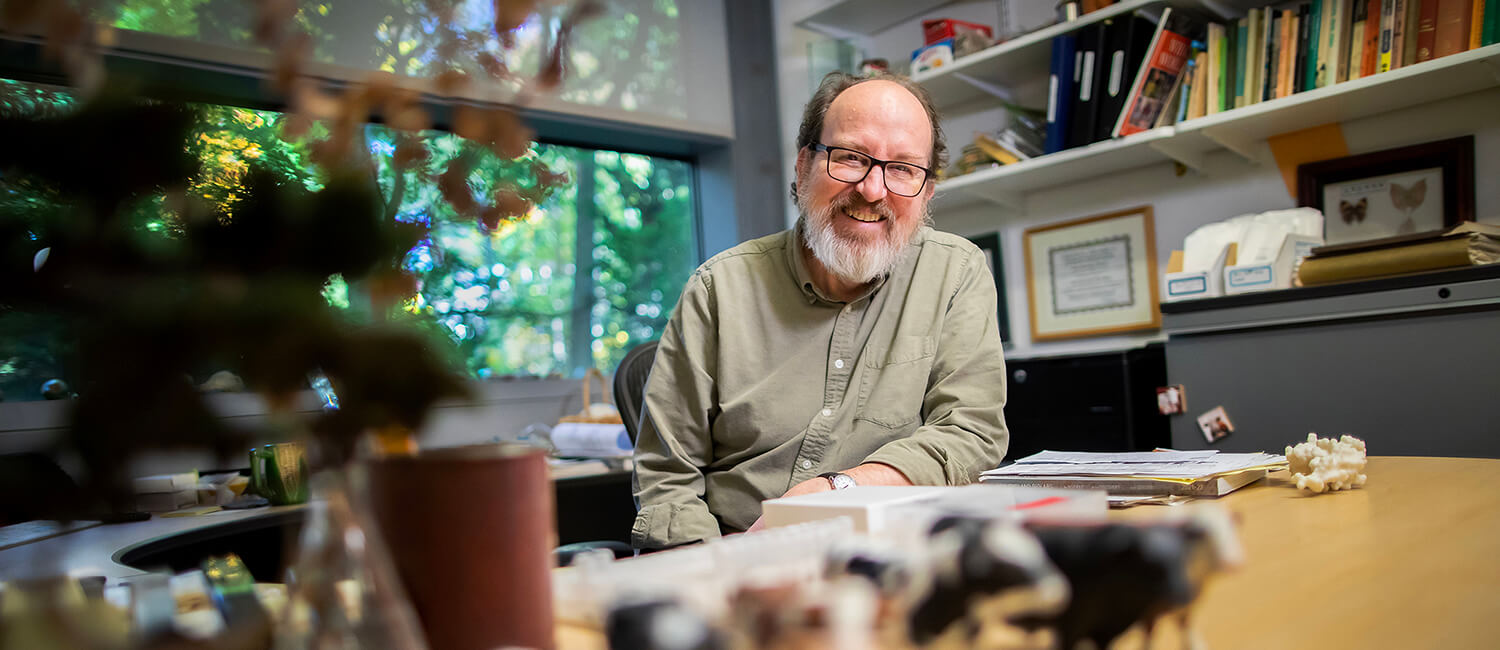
(866, 216)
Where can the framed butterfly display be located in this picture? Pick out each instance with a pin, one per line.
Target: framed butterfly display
(1393, 192)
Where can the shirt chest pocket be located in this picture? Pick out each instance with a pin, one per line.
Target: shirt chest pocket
(894, 382)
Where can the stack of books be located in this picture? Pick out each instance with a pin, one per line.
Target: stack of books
(1467, 244)
(1142, 473)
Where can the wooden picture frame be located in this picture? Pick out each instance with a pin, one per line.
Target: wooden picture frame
(990, 245)
(1389, 193)
(1093, 276)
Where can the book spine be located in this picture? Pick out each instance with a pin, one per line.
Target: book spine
(1214, 66)
(1272, 56)
(1426, 30)
(1358, 19)
(1253, 50)
(1185, 93)
(1491, 22)
(1241, 39)
(1304, 37)
(1398, 36)
(1060, 93)
(1371, 49)
(1288, 53)
(1199, 105)
(1338, 50)
(1315, 31)
(1476, 25)
(1387, 30)
(1452, 34)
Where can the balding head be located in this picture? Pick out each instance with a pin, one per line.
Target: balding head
(836, 84)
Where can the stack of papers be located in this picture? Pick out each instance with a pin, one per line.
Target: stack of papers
(1142, 473)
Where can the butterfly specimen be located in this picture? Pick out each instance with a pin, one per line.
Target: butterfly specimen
(1353, 212)
(1408, 199)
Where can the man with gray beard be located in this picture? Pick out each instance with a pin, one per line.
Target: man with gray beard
(859, 348)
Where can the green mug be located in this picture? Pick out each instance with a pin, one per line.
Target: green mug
(278, 472)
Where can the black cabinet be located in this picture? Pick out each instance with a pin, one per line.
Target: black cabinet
(1095, 402)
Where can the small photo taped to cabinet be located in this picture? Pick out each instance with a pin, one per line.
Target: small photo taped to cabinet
(1215, 425)
(1171, 400)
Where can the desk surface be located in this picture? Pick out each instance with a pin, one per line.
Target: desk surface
(1411, 560)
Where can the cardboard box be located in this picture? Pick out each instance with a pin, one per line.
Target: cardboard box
(1191, 285)
(944, 28)
(1277, 274)
(932, 57)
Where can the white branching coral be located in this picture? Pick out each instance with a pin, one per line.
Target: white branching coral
(1327, 464)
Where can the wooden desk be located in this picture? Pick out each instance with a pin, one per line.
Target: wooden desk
(1411, 560)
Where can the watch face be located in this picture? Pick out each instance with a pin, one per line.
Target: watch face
(842, 481)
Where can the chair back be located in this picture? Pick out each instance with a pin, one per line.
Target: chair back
(630, 385)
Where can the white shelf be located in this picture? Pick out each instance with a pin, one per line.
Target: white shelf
(1017, 61)
(1008, 184)
(860, 18)
(1240, 130)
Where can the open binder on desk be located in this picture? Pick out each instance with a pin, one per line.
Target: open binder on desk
(1147, 473)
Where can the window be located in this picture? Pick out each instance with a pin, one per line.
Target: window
(583, 277)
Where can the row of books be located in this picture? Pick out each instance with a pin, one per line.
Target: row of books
(1186, 66)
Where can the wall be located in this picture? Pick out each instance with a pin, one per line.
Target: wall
(1230, 186)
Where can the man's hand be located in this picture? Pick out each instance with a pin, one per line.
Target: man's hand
(866, 474)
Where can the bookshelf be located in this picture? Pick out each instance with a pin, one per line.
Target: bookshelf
(1240, 130)
(1021, 60)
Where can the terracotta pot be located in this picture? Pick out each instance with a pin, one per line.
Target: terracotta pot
(471, 532)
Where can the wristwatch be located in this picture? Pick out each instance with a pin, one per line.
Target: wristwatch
(839, 480)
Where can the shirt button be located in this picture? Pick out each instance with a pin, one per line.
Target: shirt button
(827, 412)
(806, 464)
(838, 363)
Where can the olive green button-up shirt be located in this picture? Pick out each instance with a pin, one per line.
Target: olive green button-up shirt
(760, 382)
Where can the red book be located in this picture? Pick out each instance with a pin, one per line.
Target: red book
(1427, 30)
(1165, 59)
(1452, 34)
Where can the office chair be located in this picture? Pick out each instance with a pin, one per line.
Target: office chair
(630, 385)
(630, 396)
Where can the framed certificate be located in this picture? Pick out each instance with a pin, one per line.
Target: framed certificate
(1092, 276)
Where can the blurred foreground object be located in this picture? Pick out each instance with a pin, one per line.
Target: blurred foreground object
(1327, 464)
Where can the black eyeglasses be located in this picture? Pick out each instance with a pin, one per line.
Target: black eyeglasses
(850, 166)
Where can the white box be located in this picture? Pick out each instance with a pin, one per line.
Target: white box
(880, 510)
(1191, 285)
(1277, 274)
(866, 505)
(163, 483)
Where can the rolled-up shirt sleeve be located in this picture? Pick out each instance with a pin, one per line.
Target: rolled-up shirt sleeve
(964, 430)
(674, 444)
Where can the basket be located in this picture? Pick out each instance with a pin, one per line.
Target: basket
(590, 414)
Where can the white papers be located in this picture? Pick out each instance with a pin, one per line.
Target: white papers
(1258, 237)
(1154, 464)
(1116, 457)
